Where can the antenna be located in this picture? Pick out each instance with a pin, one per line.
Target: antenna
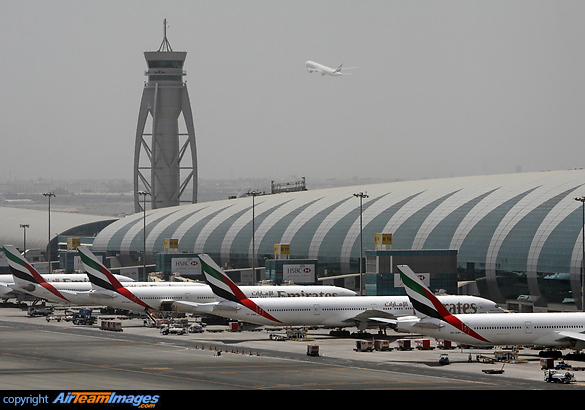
(165, 45)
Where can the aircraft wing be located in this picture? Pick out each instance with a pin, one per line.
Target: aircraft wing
(580, 337)
(420, 323)
(383, 320)
(372, 315)
(6, 292)
(23, 287)
(102, 294)
(71, 293)
(195, 307)
(428, 325)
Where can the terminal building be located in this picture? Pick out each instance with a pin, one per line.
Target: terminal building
(517, 237)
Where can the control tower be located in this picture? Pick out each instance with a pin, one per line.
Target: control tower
(165, 155)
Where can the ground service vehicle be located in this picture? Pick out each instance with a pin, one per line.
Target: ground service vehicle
(172, 329)
(83, 317)
(554, 376)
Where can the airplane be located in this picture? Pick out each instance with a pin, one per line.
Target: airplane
(8, 291)
(313, 67)
(538, 329)
(65, 288)
(138, 299)
(71, 288)
(359, 311)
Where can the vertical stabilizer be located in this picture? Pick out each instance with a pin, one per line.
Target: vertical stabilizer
(225, 289)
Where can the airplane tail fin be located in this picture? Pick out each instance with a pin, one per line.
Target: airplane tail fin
(25, 273)
(221, 285)
(225, 289)
(20, 268)
(423, 301)
(426, 304)
(338, 70)
(101, 277)
(97, 273)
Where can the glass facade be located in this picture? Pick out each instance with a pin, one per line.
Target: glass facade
(165, 64)
(517, 235)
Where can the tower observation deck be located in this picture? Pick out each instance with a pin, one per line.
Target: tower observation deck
(165, 155)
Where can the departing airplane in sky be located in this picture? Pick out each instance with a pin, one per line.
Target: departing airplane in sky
(359, 311)
(313, 67)
(140, 298)
(538, 329)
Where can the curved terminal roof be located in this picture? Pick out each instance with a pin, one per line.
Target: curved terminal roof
(512, 224)
(37, 233)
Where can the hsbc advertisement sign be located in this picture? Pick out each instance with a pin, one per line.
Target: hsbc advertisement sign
(424, 277)
(186, 266)
(299, 273)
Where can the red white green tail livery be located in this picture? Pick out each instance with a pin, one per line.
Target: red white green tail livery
(100, 276)
(225, 289)
(536, 329)
(25, 274)
(426, 305)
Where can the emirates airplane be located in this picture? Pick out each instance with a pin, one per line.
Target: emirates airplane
(53, 287)
(138, 298)
(538, 329)
(313, 67)
(359, 311)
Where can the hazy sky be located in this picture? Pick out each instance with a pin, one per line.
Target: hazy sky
(441, 88)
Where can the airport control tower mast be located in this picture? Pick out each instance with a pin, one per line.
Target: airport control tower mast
(162, 155)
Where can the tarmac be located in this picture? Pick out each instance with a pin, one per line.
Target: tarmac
(51, 355)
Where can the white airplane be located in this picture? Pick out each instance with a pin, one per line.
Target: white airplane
(59, 288)
(359, 311)
(538, 329)
(115, 294)
(313, 67)
(9, 291)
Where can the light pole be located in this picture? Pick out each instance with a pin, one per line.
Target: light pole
(254, 194)
(361, 196)
(24, 226)
(49, 195)
(582, 200)
(143, 194)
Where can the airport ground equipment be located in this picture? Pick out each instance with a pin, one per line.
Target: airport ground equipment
(195, 328)
(485, 359)
(111, 325)
(40, 311)
(494, 371)
(364, 346)
(444, 344)
(554, 376)
(382, 345)
(313, 350)
(404, 344)
(444, 359)
(423, 344)
(171, 329)
(83, 317)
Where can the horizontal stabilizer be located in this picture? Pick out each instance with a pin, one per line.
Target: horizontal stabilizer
(103, 294)
(24, 287)
(194, 306)
(424, 324)
(384, 320)
(371, 313)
